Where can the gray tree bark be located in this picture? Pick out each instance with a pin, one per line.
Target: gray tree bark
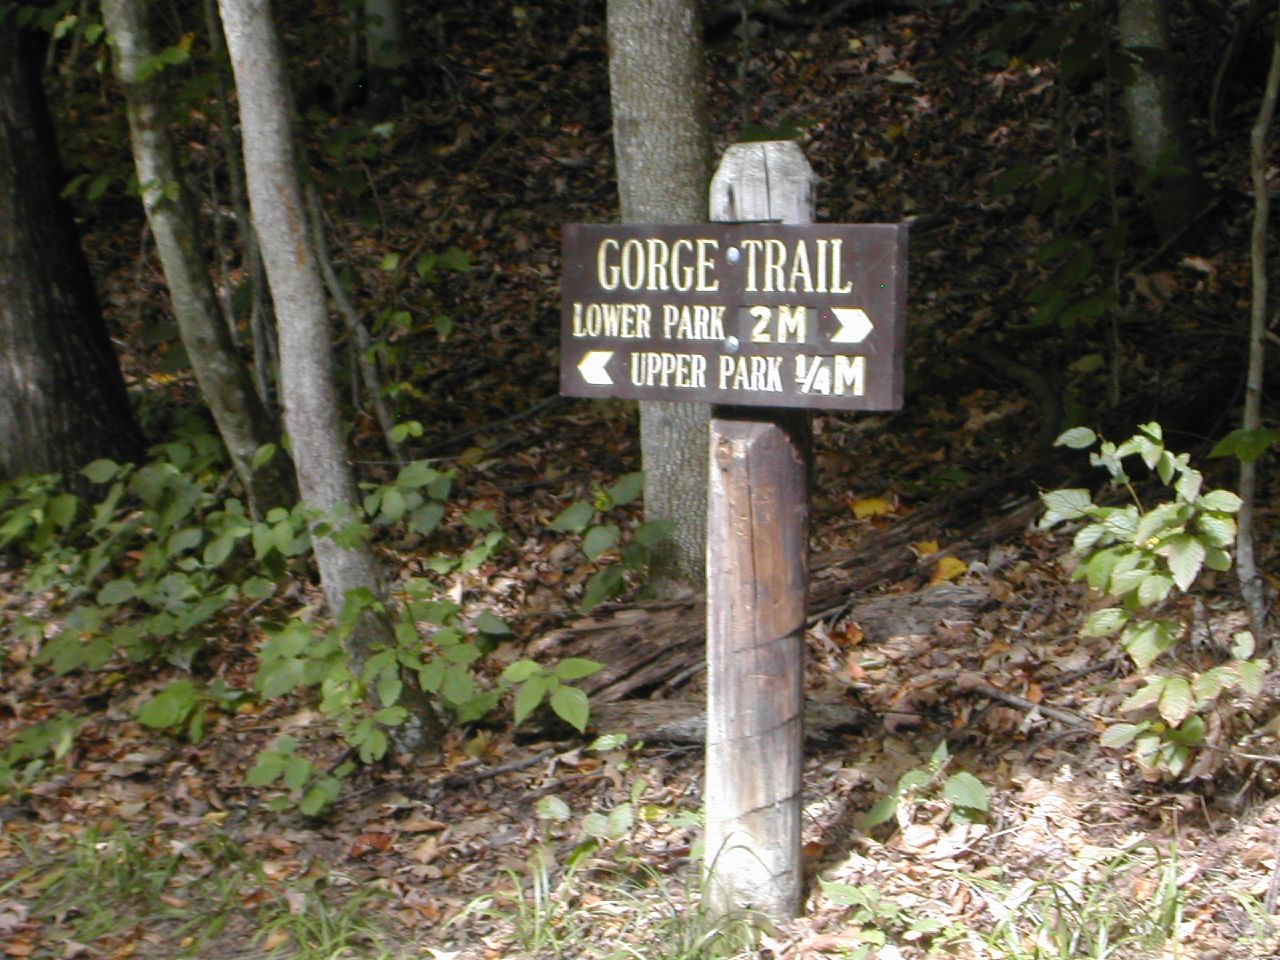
(308, 391)
(242, 421)
(62, 398)
(657, 86)
(1161, 147)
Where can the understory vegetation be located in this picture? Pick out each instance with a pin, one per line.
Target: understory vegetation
(1042, 720)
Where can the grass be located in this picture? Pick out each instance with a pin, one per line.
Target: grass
(609, 911)
(145, 895)
(1130, 905)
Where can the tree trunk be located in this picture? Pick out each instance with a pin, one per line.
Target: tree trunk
(386, 52)
(657, 79)
(308, 391)
(1176, 192)
(241, 418)
(62, 399)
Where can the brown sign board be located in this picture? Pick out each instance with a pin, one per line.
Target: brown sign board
(745, 314)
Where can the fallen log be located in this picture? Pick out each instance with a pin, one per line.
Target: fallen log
(653, 649)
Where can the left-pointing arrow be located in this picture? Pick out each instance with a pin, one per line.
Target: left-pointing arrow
(592, 367)
(855, 325)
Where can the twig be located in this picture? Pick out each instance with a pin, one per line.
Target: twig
(515, 417)
(453, 781)
(1062, 679)
(1013, 700)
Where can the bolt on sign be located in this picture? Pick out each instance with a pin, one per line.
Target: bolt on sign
(747, 314)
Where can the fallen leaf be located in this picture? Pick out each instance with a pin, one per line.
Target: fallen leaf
(870, 507)
(948, 568)
(368, 843)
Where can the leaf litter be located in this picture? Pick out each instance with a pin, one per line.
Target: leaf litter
(900, 124)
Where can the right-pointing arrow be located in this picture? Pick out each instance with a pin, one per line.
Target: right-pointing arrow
(855, 325)
(592, 367)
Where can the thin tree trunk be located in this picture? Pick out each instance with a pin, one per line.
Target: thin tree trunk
(262, 321)
(386, 51)
(308, 389)
(1176, 192)
(242, 420)
(62, 398)
(658, 83)
(1251, 583)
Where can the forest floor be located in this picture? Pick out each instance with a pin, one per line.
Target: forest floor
(466, 855)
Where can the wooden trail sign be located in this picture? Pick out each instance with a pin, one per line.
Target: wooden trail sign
(749, 314)
(760, 311)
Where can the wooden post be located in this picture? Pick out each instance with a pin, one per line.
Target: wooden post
(757, 572)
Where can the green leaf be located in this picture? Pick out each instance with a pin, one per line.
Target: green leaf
(599, 539)
(1185, 555)
(1252, 673)
(258, 588)
(1220, 532)
(297, 771)
(574, 518)
(1190, 732)
(552, 807)
(1070, 504)
(882, 811)
(966, 790)
(1145, 696)
(1176, 701)
(117, 592)
(652, 532)
(628, 487)
(1120, 734)
(1153, 589)
(529, 696)
(1103, 623)
(389, 262)
(1242, 644)
(571, 705)
(575, 668)
(389, 686)
(1077, 438)
(1146, 640)
(458, 687)
(417, 474)
(601, 585)
(487, 622)
(1220, 501)
(520, 671)
(267, 770)
(170, 706)
(426, 518)
(263, 455)
(1245, 445)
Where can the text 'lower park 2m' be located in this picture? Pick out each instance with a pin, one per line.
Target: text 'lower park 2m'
(751, 314)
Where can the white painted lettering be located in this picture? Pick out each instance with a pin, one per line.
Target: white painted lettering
(850, 376)
(686, 371)
(792, 323)
(606, 272)
(800, 270)
(755, 374)
(706, 265)
(837, 286)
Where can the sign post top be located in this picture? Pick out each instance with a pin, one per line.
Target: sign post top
(748, 314)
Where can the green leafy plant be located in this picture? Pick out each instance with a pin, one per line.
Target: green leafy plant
(182, 704)
(34, 749)
(1136, 556)
(602, 536)
(533, 683)
(880, 920)
(963, 793)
